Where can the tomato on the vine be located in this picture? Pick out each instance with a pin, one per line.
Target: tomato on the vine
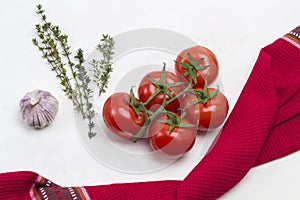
(153, 86)
(121, 118)
(206, 107)
(197, 64)
(171, 135)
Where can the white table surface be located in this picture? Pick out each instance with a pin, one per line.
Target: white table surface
(234, 30)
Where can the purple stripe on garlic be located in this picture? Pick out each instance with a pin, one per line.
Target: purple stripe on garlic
(38, 108)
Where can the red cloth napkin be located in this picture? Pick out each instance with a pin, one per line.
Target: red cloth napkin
(264, 125)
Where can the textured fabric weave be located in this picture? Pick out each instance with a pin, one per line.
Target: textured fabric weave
(264, 125)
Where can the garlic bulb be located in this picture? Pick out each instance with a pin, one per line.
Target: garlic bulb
(38, 108)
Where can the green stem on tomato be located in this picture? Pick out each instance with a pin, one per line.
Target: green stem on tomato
(192, 67)
(162, 86)
(147, 123)
(175, 121)
(158, 112)
(179, 94)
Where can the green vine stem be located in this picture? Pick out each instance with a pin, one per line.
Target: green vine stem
(161, 86)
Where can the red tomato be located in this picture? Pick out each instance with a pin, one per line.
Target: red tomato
(172, 143)
(147, 87)
(120, 118)
(201, 57)
(206, 115)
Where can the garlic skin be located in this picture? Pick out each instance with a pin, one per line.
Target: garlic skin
(38, 108)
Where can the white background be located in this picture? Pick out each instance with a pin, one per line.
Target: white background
(234, 30)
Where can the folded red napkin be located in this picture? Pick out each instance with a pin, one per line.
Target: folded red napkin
(264, 125)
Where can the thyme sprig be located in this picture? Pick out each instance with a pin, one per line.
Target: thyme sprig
(103, 67)
(70, 70)
(83, 85)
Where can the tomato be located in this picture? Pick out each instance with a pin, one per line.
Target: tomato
(208, 114)
(171, 142)
(197, 63)
(120, 118)
(153, 84)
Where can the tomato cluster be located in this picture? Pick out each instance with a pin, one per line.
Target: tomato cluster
(170, 107)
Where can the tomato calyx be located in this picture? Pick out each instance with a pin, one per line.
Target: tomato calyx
(137, 106)
(203, 95)
(175, 121)
(162, 86)
(192, 67)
